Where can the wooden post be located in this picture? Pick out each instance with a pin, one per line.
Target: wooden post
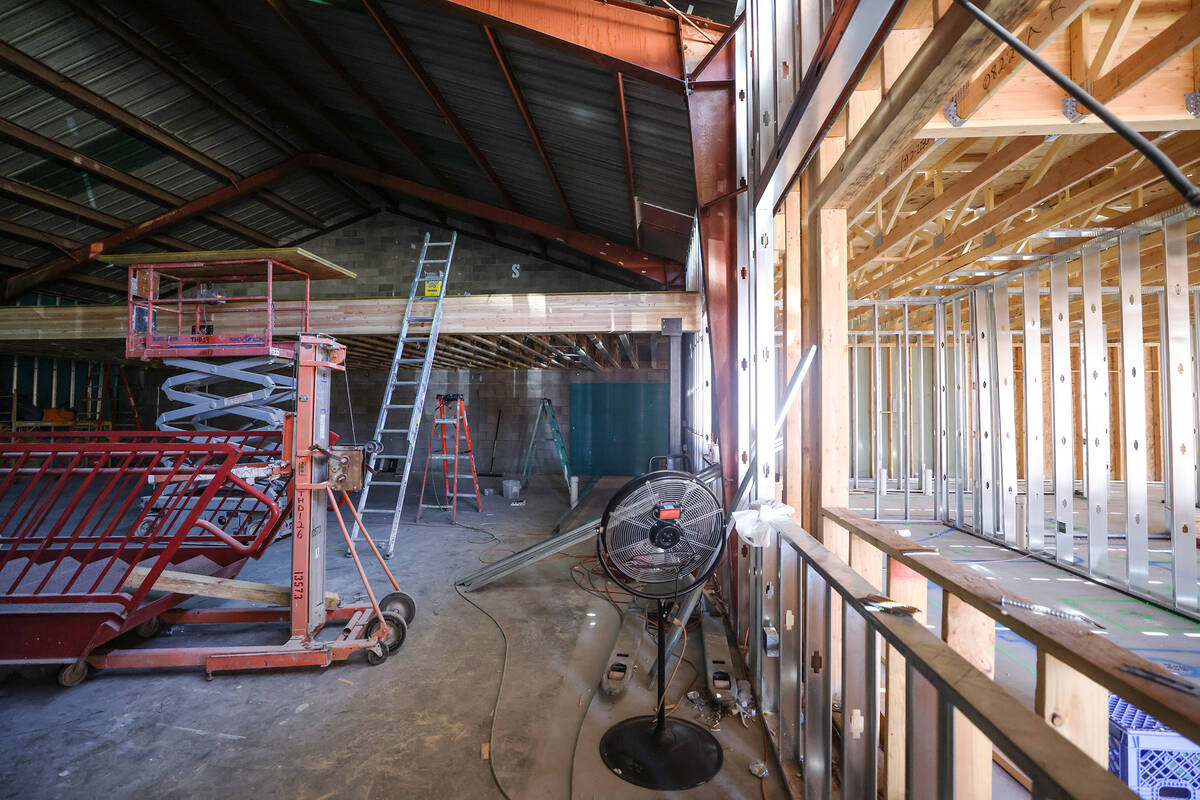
(973, 635)
(1075, 706)
(904, 585)
(793, 293)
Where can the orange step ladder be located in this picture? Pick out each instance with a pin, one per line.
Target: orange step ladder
(451, 413)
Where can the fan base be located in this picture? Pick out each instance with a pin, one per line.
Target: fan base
(682, 756)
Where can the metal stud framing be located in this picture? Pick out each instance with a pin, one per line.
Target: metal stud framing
(1133, 383)
(1062, 426)
(1035, 502)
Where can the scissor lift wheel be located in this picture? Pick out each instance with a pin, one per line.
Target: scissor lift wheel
(396, 632)
(401, 603)
(73, 674)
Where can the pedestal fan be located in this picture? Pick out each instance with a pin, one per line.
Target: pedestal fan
(660, 537)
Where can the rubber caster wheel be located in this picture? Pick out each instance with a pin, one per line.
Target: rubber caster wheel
(397, 629)
(73, 674)
(150, 628)
(375, 658)
(402, 603)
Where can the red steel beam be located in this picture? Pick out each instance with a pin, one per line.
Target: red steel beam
(48, 270)
(614, 36)
(107, 20)
(414, 65)
(652, 267)
(45, 146)
(36, 196)
(59, 84)
(629, 258)
(523, 109)
(314, 42)
(623, 122)
(714, 141)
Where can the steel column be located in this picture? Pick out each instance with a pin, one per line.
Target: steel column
(1006, 417)
(1094, 368)
(1180, 413)
(1035, 501)
(1133, 383)
(1061, 413)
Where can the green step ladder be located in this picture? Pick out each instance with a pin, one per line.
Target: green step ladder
(546, 411)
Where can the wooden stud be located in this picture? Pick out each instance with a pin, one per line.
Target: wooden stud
(972, 634)
(1075, 706)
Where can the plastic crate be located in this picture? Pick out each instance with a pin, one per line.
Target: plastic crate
(1154, 761)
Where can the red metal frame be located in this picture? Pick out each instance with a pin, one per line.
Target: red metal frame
(144, 341)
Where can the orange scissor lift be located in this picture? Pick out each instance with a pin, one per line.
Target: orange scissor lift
(91, 524)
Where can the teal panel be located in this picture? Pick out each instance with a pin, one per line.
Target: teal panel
(617, 427)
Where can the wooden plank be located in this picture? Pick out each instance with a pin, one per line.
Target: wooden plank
(1075, 706)
(1177, 37)
(1043, 27)
(972, 634)
(514, 314)
(960, 190)
(1094, 657)
(906, 586)
(310, 264)
(793, 294)
(957, 46)
(176, 582)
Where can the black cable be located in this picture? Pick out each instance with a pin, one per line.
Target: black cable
(1173, 174)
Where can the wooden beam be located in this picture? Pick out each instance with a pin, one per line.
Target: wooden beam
(1118, 26)
(1044, 26)
(175, 582)
(511, 314)
(957, 46)
(961, 189)
(1179, 36)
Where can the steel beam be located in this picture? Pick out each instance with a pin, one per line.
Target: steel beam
(77, 94)
(1133, 384)
(36, 196)
(1035, 501)
(1180, 414)
(623, 124)
(42, 145)
(523, 109)
(47, 270)
(1094, 368)
(396, 40)
(636, 261)
(1062, 415)
(636, 41)
(335, 65)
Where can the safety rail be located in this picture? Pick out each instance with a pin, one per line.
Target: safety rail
(1076, 669)
(943, 694)
(78, 513)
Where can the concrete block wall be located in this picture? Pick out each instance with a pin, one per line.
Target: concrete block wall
(515, 395)
(383, 251)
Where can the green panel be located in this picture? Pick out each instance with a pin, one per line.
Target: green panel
(617, 427)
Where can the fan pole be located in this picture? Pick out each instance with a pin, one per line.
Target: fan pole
(663, 610)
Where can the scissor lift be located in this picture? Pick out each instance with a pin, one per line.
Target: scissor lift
(89, 525)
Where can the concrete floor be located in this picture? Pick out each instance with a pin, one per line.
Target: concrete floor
(412, 727)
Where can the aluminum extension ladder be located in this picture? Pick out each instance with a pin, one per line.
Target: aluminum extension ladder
(450, 422)
(394, 443)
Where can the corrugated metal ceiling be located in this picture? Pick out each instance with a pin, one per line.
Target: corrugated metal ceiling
(572, 102)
